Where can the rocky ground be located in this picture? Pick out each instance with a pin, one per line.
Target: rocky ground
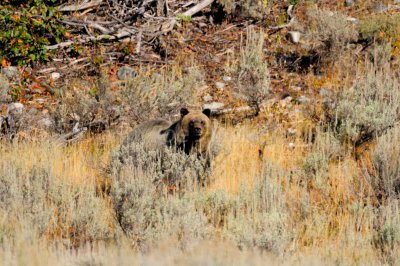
(304, 55)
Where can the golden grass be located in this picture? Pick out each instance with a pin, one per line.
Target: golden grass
(332, 217)
(239, 161)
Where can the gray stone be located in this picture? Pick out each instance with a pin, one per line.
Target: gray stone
(303, 100)
(33, 111)
(324, 92)
(125, 73)
(287, 99)
(291, 132)
(214, 106)
(220, 85)
(40, 100)
(46, 123)
(352, 20)
(328, 103)
(227, 78)
(295, 88)
(349, 3)
(55, 75)
(379, 7)
(207, 98)
(294, 36)
(15, 109)
(10, 72)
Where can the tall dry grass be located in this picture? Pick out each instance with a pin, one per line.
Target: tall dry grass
(267, 201)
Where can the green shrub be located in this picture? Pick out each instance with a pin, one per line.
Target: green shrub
(40, 204)
(387, 236)
(252, 72)
(138, 193)
(27, 27)
(149, 210)
(386, 160)
(245, 8)
(370, 106)
(332, 29)
(389, 25)
(158, 95)
(259, 216)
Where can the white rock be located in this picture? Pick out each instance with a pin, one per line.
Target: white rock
(55, 75)
(291, 131)
(295, 88)
(303, 99)
(352, 20)
(349, 3)
(40, 100)
(220, 85)
(15, 108)
(291, 145)
(214, 106)
(227, 78)
(207, 98)
(379, 7)
(294, 36)
(45, 123)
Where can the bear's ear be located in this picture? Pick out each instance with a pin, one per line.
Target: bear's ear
(207, 112)
(184, 112)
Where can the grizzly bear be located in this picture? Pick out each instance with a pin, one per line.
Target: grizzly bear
(191, 133)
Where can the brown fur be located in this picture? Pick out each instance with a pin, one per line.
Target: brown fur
(191, 133)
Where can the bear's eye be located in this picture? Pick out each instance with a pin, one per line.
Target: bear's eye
(191, 123)
(202, 122)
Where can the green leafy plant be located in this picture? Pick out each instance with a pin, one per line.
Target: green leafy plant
(27, 27)
(184, 18)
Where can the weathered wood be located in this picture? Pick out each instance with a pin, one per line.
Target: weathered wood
(90, 24)
(121, 34)
(200, 6)
(70, 8)
(291, 20)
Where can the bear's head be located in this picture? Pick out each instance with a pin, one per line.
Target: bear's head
(195, 124)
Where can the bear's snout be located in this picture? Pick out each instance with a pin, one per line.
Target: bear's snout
(197, 130)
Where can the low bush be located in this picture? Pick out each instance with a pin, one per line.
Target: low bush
(246, 8)
(27, 27)
(39, 203)
(252, 71)
(332, 30)
(370, 106)
(158, 95)
(386, 161)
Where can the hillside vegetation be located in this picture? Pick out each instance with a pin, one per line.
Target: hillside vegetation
(305, 165)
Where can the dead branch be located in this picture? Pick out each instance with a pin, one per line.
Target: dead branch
(200, 6)
(70, 8)
(291, 20)
(72, 137)
(122, 34)
(90, 24)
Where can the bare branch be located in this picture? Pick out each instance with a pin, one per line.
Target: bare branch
(122, 34)
(203, 4)
(69, 8)
(291, 17)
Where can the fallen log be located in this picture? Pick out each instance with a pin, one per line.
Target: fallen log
(71, 8)
(122, 34)
(200, 6)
